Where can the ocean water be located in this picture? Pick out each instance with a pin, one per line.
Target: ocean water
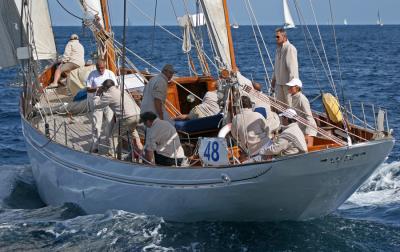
(368, 221)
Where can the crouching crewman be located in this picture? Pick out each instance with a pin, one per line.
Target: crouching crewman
(127, 116)
(291, 141)
(162, 146)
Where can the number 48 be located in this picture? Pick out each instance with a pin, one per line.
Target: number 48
(213, 147)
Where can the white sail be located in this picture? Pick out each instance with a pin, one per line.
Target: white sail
(9, 33)
(216, 23)
(43, 43)
(345, 21)
(288, 20)
(36, 19)
(92, 8)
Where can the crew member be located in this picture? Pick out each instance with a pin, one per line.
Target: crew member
(301, 104)
(162, 146)
(291, 141)
(95, 80)
(285, 67)
(263, 102)
(249, 128)
(73, 58)
(208, 107)
(127, 116)
(155, 93)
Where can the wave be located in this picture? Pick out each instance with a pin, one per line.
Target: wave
(383, 187)
(115, 230)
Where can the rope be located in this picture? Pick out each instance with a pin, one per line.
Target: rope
(258, 44)
(69, 12)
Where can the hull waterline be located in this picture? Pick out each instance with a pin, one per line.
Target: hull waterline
(294, 188)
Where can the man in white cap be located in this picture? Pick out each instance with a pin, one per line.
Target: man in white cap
(301, 104)
(73, 58)
(291, 141)
(286, 66)
(155, 93)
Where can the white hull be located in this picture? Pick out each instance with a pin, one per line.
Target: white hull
(295, 188)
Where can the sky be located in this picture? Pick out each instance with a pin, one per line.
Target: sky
(268, 12)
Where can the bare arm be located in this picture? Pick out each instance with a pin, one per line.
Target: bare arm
(158, 105)
(149, 156)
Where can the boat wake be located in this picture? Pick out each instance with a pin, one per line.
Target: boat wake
(378, 199)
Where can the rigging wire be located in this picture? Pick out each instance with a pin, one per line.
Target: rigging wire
(323, 49)
(298, 8)
(154, 26)
(337, 53)
(308, 48)
(69, 12)
(258, 44)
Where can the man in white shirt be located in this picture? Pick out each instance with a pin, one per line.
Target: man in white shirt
(93, 82)
(73, 58)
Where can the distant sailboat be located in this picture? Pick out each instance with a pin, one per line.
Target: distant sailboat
(345, 22)
(379, 20)
(235, 24)
(289, 23)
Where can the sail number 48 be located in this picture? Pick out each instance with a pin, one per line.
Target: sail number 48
(211, 151)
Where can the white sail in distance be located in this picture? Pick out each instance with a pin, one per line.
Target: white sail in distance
(215, 18)
(36, 20)
(288, 20)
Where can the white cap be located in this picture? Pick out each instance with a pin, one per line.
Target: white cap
(294, 82)
(74, 37)
(289, 113)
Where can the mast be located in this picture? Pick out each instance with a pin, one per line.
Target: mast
(110, 52)
(230, 41)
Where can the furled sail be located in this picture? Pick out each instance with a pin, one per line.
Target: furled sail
(35, 18)
(214, 12)
(289, 23)
(187, 22)
(92, 10)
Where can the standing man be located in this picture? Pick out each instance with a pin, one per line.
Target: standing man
(93, 82)
(162, 146)
(285, 68)
(73, 58)
(155, 93)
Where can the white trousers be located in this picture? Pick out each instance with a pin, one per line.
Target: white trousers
(101, 120)
(282, 94)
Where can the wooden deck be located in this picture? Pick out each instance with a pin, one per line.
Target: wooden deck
(72, 130)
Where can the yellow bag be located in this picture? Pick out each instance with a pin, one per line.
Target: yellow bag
(332, 107)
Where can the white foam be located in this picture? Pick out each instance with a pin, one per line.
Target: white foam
(382, 188)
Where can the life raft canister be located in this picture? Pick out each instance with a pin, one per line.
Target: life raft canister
(332, 107)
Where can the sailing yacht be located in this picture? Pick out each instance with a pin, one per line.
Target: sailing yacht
(379, 20)
(345, 22)
(222, 188)
(288, 20)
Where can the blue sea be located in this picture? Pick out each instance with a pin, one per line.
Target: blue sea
(368, 221)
